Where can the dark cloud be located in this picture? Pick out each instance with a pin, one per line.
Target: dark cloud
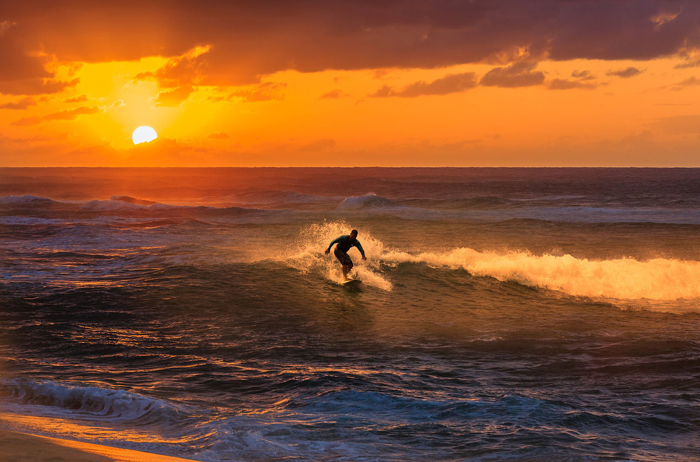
(16, 60)
(246, 39)
(583, 75)
(68, 114)
(174, 98)
(625, 73)
(219, 136)
(519, 74)
(451, 83)
(563, 84)
(24, 103)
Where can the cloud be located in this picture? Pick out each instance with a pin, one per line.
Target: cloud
(237, 43)
(519, 74)
(689, 82)
(174, 98)
(333, 94)
(187, 69)
(583, 75)
(625, 73)
(36, 86)
(679, 125)
(118, 103)
(17, 62)
(68, 114)
(26, 121)
(76, 99)
(218, 136)
(266, 91)
(688, 64)
(24, 103)
(451, 83)
(563, 84)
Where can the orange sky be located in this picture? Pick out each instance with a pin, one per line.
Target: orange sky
(419, 83)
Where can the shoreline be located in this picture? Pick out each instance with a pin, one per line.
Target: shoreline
(18, 446)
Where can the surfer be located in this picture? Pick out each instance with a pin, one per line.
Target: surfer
(345, 242)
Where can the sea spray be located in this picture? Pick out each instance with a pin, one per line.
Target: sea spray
(314, 239)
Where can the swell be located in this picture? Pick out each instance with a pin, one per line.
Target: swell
(20, 206)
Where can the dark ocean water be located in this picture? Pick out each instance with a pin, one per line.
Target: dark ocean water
(520, 314)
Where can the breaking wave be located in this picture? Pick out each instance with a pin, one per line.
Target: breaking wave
(102, 403)
(624, 278)
(659, 279)
(27, 199)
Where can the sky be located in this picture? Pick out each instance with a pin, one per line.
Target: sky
(350, 83)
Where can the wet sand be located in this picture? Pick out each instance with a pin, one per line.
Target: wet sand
(22, 447)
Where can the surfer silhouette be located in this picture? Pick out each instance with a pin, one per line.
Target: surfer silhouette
(345, 242)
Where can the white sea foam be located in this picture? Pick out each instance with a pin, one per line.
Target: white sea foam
(623, 278)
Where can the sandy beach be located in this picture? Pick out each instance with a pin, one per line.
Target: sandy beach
(23, 447)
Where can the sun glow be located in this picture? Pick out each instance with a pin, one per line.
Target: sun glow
(144, 134)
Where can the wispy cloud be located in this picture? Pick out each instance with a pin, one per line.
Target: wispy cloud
(519, 74)
(68, 114)
(451, 83)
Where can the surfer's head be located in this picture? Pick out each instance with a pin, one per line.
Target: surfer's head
(353, 234)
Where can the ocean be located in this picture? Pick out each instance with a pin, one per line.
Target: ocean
(504, 314)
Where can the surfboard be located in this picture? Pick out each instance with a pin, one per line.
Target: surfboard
(352, 283)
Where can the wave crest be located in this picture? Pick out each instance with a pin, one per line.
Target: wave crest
(27, 199)
(94, 401)
(362, 202)
(624, 278)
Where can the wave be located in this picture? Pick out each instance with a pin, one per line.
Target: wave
(623, 278)
(132, 200)
(97, 403)
(659, 279)
(272, 197)
(366, 201)
(27, 199)
(120, 206)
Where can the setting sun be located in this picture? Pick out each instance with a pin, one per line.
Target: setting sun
(144, 134)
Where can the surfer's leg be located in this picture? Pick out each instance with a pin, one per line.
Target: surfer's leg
(344, 260)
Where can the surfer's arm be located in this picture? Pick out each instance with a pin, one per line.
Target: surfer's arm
(359, 247)
(335, 241)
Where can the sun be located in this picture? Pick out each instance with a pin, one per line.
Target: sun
(144, 134)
